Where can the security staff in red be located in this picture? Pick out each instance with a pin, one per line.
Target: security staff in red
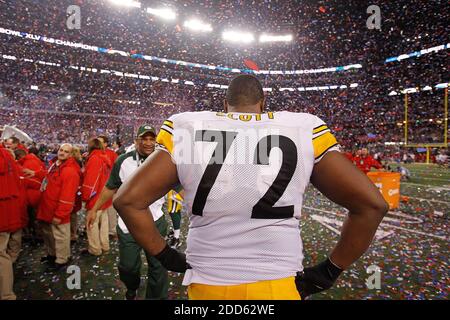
(59, 190)
(96, 173)
(365, 162)
(32, 185)
(12, 220)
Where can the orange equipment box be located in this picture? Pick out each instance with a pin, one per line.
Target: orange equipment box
(389, 185)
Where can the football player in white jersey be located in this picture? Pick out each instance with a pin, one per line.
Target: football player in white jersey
(244, 173)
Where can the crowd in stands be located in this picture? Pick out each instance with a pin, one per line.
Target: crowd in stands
(323, 32)
(72, 105)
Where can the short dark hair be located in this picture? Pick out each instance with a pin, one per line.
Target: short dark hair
(244, 90)
(20, 153)
(104, 138)
(95, 144)
(14, 139)
(33, 150)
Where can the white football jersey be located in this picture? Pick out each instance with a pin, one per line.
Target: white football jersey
(244, 176)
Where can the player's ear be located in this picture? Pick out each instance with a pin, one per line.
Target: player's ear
(263, 102)
(225, 105)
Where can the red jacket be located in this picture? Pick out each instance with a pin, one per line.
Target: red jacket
(58, 198)
(96, 174)
(21, 146)
(112, 155)
(33, 185)
(349, 156)
(13, 213)
(365, 163)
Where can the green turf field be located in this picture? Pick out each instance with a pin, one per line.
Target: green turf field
(411, 250)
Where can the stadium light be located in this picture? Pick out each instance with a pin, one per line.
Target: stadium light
(235, 36)
(68, 97)
(409, 90)
(163, 13)
(273, 38)
(198, 25)
(442, 85)
(126, 3)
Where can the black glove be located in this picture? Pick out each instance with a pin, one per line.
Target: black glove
(316, 279)
(173, 260)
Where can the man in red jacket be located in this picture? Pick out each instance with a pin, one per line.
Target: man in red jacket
(110, 153)
(59, 190)
(365, 162)
(13, 143)
(12, 219)
(96, 173)
(112, 213)
(32, 185)
(349, 155)
(30, 162)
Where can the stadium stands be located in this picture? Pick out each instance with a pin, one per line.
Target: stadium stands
(324, 36)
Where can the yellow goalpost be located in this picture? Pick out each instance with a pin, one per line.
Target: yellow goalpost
(428, 146)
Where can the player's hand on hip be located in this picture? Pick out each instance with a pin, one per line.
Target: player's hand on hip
(317, 279)
(173, 260)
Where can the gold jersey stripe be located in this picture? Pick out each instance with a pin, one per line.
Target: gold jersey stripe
(322, 143)
(168, 123)
(320, 133)
(165, 138)
(320, 128)
(325, 151)
(166, 128)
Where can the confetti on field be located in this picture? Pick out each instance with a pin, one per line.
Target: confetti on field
(413, 258)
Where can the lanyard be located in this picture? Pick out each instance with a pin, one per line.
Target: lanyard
(138, 159)
(44, 182)
(51, 167)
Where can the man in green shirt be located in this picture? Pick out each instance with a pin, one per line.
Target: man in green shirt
(129, 251)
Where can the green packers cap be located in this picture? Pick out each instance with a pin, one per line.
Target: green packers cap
(145, 129)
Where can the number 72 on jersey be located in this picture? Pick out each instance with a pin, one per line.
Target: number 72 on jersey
(264, 208)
